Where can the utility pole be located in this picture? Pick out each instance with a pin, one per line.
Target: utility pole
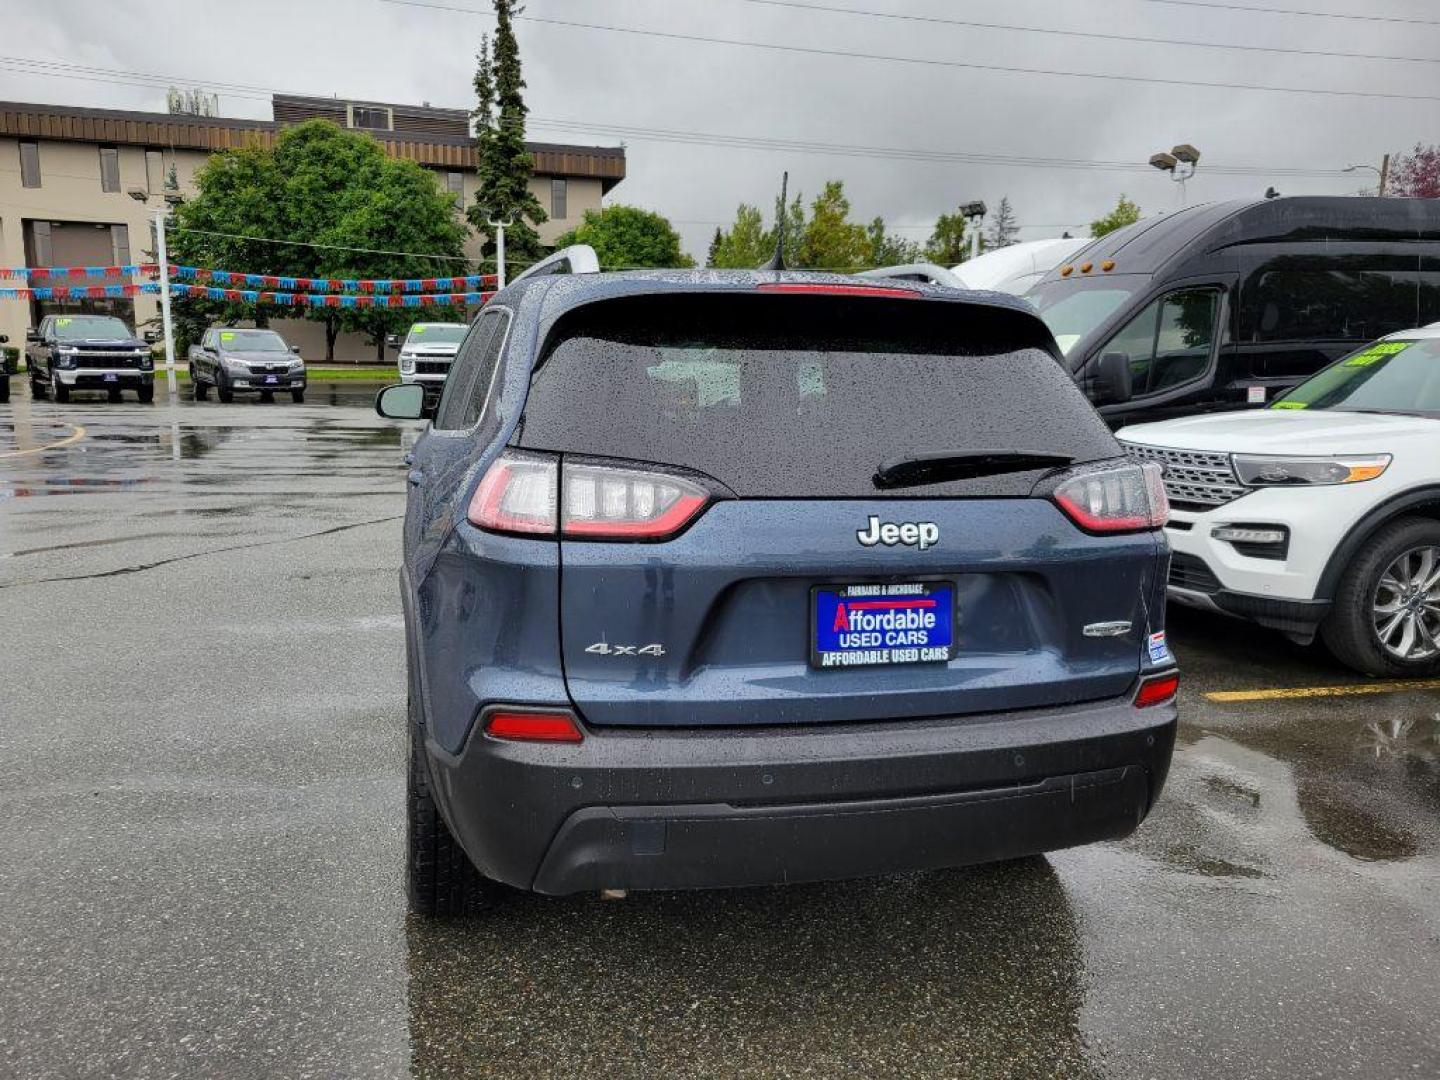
(1384, 174)
(974, 215)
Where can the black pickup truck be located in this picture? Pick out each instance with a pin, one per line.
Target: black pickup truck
(88, 352)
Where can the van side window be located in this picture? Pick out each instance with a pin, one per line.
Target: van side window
(1169, 343)
(469, 381)
(1333, 305)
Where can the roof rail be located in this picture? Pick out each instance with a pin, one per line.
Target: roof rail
(921, 271)
(575, 259)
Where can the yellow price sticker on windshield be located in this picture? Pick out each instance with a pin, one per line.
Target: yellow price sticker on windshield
(1289, 405)
(227, 335)
(63, 322)
(1376, 353)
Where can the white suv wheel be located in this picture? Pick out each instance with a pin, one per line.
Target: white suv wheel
(1406, 607)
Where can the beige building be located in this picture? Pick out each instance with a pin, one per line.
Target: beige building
(67, 176)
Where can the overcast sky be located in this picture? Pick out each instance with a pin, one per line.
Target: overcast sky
(385, 51)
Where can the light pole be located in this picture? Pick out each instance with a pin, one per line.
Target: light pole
(142, 196)
(974, 214)
(500, 225)
(1180, 163)
(1383, 173)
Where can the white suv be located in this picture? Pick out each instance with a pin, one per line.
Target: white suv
(1320, 513)
(428, 351)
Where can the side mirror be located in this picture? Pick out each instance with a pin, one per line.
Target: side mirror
(1113, 382)
(32, 336)
(392, 341)
(295, 349)
(404, 401)
(151, 337)
(4, 338)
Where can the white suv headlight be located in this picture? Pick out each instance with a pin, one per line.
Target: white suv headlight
(407, 362)
(1262, 471)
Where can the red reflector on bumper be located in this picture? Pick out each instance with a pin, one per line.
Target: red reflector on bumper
(533, 727)
(1158, 690)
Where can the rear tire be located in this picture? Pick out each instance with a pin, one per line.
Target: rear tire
(58, 390)
(1368, 603)
(4, 386)
(439, 877)
(146, 393)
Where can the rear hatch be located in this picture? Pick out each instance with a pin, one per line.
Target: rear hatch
(857, 526)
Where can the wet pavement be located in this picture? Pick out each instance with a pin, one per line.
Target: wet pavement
(201, 775)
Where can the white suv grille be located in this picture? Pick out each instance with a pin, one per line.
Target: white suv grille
(1194, 480)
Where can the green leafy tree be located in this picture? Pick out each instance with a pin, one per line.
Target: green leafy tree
(831, 241)
(326, 192)
(1004, 228)
(503, 165)
(888, 249)
(746, 244)
(948, 243)
(626, 236)
(1125, 213)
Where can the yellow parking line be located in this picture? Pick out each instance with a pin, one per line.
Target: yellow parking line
(1397, 687)
(74, 437)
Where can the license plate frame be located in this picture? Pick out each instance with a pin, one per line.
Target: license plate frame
(271, 380)
(938, 596)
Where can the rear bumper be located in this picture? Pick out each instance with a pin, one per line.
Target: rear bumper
(667, 809)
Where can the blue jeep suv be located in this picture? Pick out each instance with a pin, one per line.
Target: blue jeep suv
(732, 578)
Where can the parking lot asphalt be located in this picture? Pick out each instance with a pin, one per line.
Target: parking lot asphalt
(201, 777)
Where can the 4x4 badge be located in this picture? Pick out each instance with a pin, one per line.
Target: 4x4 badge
(921, 534)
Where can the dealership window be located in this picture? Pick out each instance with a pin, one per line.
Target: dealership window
(1169, 343)
(109, 168)
(455, 184)
(559, 195)
(371, 117)
(30, 164)
(154, 171)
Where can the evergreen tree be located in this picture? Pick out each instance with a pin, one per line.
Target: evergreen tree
(1004, 228)
(715, 242)
(887, 249)
(503, 164)
(831, 241)
(746, 244)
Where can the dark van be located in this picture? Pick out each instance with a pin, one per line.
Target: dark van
(1214, 306)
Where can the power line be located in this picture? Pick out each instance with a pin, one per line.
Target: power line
(1304, 14)
(1092, 35)
(755, 142)
(927, 62)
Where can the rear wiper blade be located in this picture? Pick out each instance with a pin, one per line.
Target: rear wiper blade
(934, 468)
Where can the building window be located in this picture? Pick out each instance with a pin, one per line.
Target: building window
(30, 164)
(558, 197)
(455, 184)
(119, 245)
(109, 168)
(154, 171)
(371, 117)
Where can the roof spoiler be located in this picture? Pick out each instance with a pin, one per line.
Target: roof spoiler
(921, 271)
(575, 259)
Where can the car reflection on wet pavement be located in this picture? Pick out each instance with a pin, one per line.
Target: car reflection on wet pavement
(201, 761)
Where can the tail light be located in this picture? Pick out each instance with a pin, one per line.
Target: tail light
(1114, 498)
(1157, 690)
(533, 727)
(522, 493)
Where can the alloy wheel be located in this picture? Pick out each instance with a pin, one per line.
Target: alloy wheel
(1406, 607)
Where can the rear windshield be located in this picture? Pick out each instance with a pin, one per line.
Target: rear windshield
(806, 397)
